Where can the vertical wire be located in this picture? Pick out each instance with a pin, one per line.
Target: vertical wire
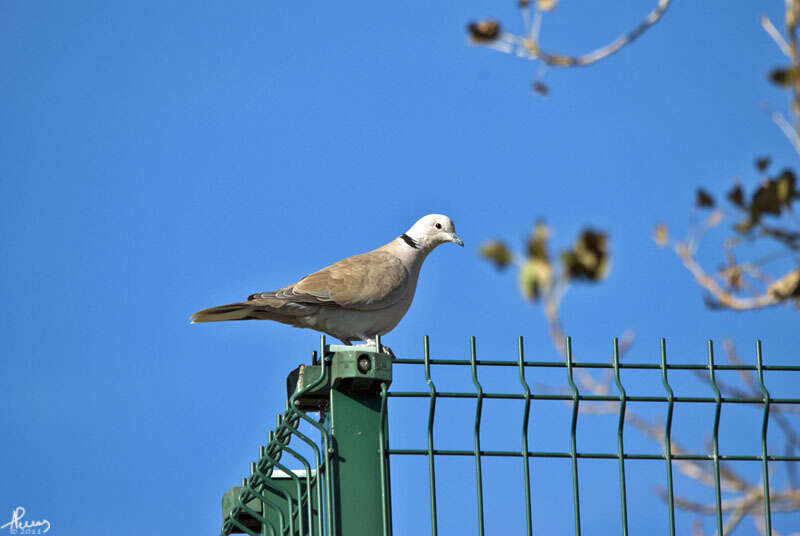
(254, 470)
(525, 419)
(258, 481)
(272, 462)
(283, 423)
(668, 436)
(309, 506)
(265, 501)
(383, 447)
(572, 441)
(260, 516)
(715, 437)
(293, 429)
(327, 442)
(248, 493)
(620, 439)
(764, 425)
(431, 415)
(478, 410)
(330, 446)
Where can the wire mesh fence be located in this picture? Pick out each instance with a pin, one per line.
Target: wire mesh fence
(277, 500)
(330, 494)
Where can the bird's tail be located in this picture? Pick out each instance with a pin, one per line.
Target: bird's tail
(232, 311)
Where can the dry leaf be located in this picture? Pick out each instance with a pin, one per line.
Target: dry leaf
(484, 31)
(661, 235)
(546, 5)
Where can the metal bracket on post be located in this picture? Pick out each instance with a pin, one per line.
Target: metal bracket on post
(352, 369)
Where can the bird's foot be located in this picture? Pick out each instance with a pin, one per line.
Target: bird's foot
(384, 349)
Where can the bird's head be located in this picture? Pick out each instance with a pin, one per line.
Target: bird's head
(432, 230)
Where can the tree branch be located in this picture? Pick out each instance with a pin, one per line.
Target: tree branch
(774, 295)
(558, 60)
(527, 47)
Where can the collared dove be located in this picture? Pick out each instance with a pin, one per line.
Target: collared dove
(355, 299)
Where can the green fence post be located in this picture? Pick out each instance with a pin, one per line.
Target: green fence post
(355, 423)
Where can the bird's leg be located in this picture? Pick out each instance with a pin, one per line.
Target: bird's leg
(385, 349)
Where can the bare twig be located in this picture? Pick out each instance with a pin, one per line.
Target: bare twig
(726, 299)
(776, 36)
(742, 510)
(792, 13)
(551, 306)
(558, 60)
(733, 358)
(788, 130)
(527, 46)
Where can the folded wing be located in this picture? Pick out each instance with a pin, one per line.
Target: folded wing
(366, 282)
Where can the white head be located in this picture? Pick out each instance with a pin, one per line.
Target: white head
(430, 231)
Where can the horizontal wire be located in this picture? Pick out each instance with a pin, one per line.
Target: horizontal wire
(590, 455)
(559, 364)
(596, 398)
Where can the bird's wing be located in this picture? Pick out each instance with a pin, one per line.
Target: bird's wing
(366, 282)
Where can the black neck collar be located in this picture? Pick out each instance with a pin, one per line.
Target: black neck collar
(410, 241)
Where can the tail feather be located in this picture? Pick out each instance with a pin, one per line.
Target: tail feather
(286, 313)
(232, 311)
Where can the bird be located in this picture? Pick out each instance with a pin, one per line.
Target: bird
(355, 299)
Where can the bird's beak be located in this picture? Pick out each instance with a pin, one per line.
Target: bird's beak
(457, 240)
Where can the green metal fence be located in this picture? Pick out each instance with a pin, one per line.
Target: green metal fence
(345, 488)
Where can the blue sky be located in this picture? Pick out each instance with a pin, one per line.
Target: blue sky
(159, 157)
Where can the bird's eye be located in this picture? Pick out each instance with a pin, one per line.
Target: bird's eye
(438, 225)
